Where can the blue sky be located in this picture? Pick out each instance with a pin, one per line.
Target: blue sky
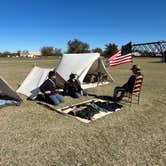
(31, 24)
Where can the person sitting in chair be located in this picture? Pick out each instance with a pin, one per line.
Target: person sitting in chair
(73, 87)
(49, 89)
(128, 86)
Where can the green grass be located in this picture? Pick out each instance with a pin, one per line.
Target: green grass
(33, 135)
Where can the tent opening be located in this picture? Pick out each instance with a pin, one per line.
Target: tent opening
(96, 75)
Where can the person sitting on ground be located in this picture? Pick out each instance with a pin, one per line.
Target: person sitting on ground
(73, 87)
(127, 87)
(49, 89)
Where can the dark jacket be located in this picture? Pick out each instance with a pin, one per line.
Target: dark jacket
(130, 83)
(48, 85)
(71, 87)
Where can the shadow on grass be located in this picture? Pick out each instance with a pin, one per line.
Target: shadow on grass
(108, 98)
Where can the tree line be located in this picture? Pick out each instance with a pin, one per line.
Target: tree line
(10, 54)
(77, 46)
(73, 46)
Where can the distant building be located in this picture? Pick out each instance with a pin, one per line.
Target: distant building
(30, 54)
(35, 54)
(136, 53)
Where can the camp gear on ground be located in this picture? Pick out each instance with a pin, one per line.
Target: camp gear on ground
(88, 110)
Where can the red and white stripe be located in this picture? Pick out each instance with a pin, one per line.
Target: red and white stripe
(118, 59)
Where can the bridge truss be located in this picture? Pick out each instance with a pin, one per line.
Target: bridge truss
(152, 48)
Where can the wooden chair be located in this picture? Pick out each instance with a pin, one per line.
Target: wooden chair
(136, 89)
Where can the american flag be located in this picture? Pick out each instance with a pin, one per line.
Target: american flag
(118, 59)
(121, 56)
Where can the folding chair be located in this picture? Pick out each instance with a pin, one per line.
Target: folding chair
(136, 89)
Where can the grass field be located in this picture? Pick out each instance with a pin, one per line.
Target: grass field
(134, 136)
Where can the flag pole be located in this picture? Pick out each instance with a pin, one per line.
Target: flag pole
(132, 53)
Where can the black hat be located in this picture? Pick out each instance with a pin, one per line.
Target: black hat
(72, 76)
(51, 73)
(135, 67)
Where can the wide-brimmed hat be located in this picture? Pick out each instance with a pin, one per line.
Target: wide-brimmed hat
(135, 67)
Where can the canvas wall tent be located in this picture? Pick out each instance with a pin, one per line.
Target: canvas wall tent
(7, 93)
(80, 64)
(34, 79)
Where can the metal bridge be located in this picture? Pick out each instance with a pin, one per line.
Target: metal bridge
(152, 48)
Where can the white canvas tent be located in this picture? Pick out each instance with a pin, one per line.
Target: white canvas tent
(80, 64)
(7, 91)
(30, 86)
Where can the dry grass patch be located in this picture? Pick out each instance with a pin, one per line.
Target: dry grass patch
(33, 135)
